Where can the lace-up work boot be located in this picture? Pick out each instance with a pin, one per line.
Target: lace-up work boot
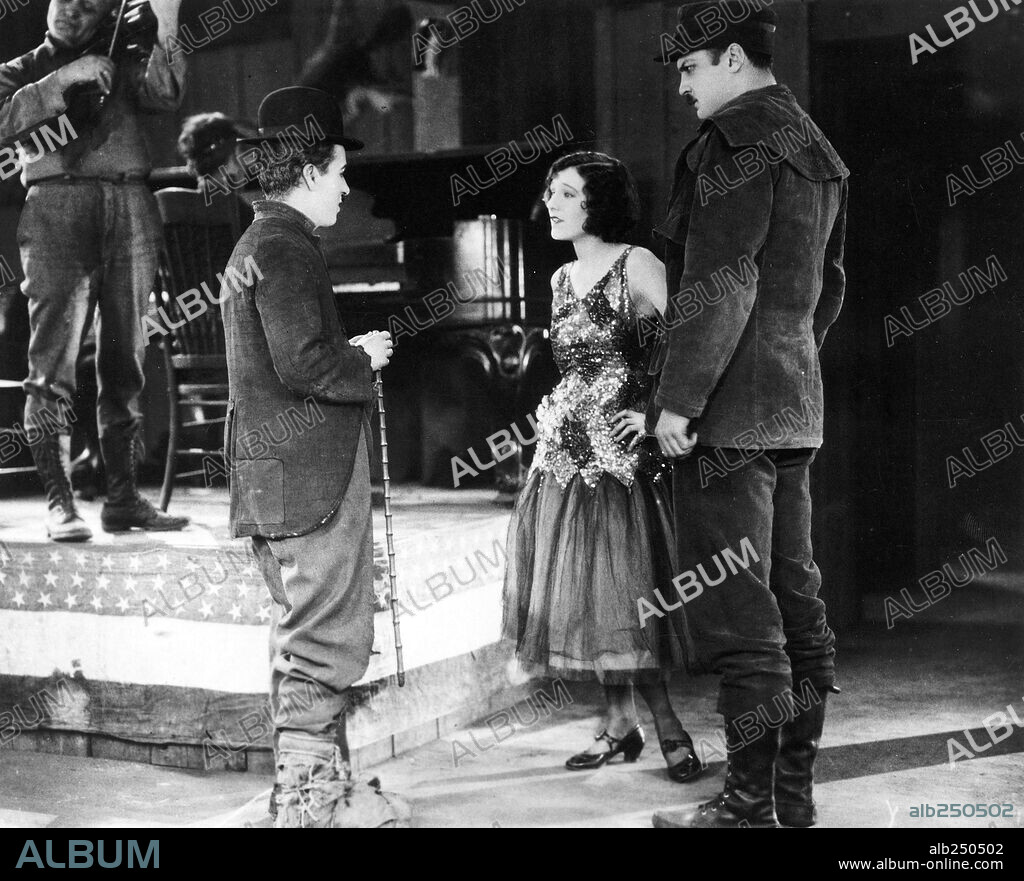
(52, 455)
(307, 792)
(125, 509)
(314, 791)
(747, 801)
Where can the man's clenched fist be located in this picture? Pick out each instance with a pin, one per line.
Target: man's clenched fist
(672, 433)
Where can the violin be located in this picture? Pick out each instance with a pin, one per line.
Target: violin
(126, 36)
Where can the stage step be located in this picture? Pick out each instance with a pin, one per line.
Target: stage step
(154, 646)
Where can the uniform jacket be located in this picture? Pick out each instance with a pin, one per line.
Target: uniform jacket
(754, 259)
(298, 388)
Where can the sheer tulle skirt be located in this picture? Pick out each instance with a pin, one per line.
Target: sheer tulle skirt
(579, 560)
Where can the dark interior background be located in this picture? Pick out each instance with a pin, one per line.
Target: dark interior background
(885, 514)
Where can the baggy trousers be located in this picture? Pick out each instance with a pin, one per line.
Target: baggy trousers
(762, 626)
(87, 245)
(322, 624)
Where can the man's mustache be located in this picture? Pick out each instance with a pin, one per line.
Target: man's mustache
(690, 99)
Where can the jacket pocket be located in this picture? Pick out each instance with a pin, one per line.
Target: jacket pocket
(260, 490)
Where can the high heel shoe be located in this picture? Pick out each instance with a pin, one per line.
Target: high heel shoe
(689, 768)
(630, 745)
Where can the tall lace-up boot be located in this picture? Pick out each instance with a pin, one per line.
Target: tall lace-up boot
(747, 800)
(125, 509)
(52, 455)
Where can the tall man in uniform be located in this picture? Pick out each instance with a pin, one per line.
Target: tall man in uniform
(304, 500)
(89, 237)
(754, 256)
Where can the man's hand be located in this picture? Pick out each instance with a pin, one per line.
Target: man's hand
(672, 434)
(377, 344)
(166, 12)
(88, 69)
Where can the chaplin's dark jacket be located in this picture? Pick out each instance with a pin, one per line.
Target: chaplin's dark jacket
(754, 261)
(298, 389)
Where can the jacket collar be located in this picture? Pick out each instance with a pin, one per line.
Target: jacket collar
(759, 104)
(273, 208)
(54, 49)
(771, 119)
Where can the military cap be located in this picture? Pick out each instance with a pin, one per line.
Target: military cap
(751, 23)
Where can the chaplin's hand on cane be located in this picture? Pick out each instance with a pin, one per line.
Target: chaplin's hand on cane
(378, 345)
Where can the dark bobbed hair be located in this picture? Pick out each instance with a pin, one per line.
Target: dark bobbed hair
(612, 202)
(760, 60)
(207, 141)
(283, 173)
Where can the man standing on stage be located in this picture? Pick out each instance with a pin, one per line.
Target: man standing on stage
(304, 499)
(89, 237)
(754, 256)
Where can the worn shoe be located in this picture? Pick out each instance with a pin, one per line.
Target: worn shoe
(65, 524)
(369, 807)
(52, 457)
(311, 794)
(139, 514)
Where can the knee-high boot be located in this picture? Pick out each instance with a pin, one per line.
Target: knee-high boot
(52, 456)
(125, 508)
(794, 768)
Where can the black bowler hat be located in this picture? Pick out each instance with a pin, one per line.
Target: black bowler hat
(285, 112)
(751, 23)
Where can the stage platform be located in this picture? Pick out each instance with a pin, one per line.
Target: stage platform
(153, 646)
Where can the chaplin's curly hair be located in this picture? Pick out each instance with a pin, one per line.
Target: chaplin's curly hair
(282, 174)
(611, 199)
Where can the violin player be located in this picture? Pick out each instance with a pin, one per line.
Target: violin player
(89, 237)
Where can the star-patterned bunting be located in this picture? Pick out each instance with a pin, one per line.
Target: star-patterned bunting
(215, 585)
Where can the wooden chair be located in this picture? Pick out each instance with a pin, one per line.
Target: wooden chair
(198, 241)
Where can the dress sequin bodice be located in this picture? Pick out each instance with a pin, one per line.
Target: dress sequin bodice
(597, 349)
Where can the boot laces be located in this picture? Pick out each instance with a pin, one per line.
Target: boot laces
(322, 788)
(61, 494)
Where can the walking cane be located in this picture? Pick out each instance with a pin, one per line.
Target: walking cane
(379, 381)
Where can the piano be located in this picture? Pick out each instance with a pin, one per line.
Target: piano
(462, 281)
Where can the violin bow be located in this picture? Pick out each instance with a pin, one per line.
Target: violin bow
(117, 28)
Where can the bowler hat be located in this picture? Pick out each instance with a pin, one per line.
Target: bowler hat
(286, 113)
(751, 23)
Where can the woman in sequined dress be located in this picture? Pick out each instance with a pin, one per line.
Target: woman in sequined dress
(591, 534)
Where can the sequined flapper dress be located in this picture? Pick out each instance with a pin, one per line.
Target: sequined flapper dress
(591, 533)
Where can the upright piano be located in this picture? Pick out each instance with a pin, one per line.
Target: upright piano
(462, 280)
